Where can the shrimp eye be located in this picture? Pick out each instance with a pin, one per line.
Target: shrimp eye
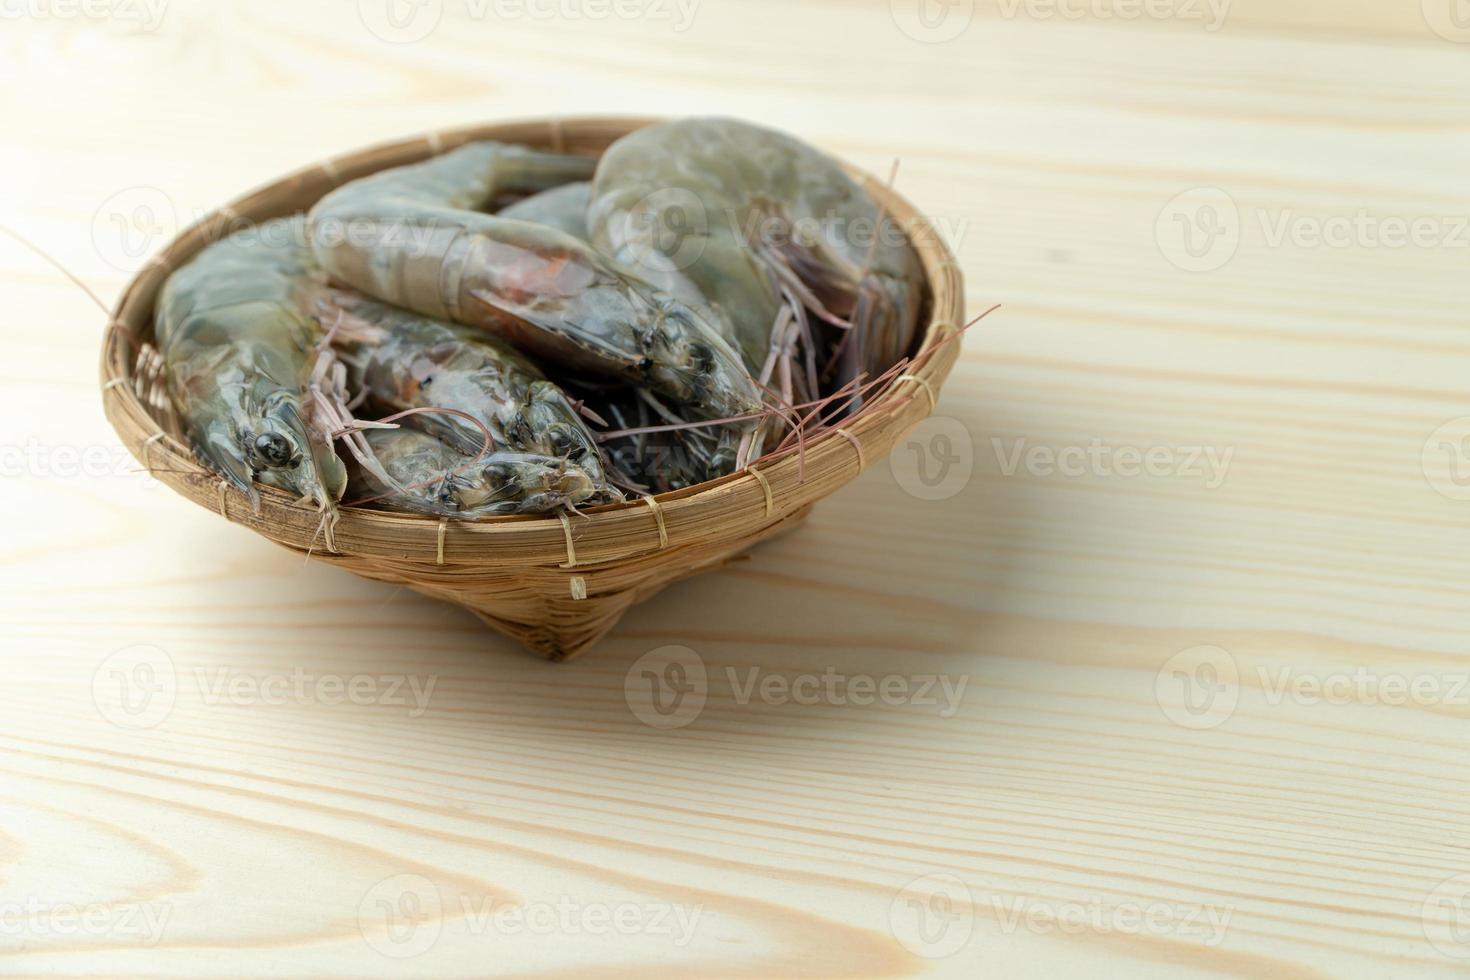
(273, 448)
(702, 356)
(519, 431)
(645, 363)
(500, 474)
(562, 442)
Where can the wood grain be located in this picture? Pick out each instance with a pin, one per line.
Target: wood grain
(1071, 814)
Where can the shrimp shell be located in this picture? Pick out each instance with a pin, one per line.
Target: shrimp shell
(404, 360)
(435, 479)
(243, 365)
(408, 237)
(763, 221)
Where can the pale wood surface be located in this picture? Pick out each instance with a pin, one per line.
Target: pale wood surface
(235, 838)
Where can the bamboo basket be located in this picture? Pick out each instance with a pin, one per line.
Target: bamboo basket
(556, 585)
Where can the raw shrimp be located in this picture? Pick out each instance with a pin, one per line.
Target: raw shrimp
(435, 479)
(244, 369)
(662, 460)
(407, 236)
(563, 208)
(403, 360)
(765, 226)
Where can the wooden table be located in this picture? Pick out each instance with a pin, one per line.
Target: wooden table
(1145, 658)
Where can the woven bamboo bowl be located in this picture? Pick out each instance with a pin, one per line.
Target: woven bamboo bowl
(556, 585)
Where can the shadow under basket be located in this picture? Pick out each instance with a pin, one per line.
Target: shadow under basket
(555, 584)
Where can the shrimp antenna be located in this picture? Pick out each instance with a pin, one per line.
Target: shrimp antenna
(816, 421)
(886, 377)
(56, 264)
(783, 409)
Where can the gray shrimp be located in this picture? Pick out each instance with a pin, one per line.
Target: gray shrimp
(409, 236)
(563, 208)
(239, 355)
(764, 225)
(433, 478)
(403, 360)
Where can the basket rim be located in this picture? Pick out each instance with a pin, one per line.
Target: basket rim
(733, 507)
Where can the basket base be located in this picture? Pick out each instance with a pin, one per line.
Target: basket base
(518, 603)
